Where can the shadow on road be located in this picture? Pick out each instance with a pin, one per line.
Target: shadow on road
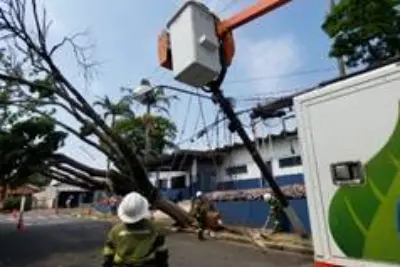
(52, 245)
(79, 244)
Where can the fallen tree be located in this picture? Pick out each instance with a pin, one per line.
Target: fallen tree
(33, 82)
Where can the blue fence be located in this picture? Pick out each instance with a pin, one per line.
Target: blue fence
(188, 192)
(252, 183)
(254, 213)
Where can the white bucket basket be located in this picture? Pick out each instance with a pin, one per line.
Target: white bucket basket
(194, 45)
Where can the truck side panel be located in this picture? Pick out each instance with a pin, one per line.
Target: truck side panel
(350, 135)
(313, 187)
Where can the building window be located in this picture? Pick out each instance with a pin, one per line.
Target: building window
(269, 165)
(178, 182)
(290, 162)
(234, 170)
(162, 183)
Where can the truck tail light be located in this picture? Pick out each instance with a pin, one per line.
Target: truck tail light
(324, 264)
(164, 51)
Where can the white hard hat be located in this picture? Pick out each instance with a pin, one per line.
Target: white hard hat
(199, 194)
(133, 208)
(267, 196)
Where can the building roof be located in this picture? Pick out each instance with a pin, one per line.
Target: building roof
(279, 136)
(270, 109)
(182, 159)
(65, 187)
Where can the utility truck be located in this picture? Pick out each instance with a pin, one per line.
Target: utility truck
(349, 132)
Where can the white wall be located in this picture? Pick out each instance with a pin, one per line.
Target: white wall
(167, 175)
(240, 156)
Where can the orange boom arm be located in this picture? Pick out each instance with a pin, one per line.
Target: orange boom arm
(224, 30)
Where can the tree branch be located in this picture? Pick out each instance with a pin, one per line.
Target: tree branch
(104, 138)
(64, 178)
(85, 178)
(62, 158)
(63, 125)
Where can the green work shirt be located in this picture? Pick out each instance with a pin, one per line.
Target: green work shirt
(202, 207)
(134, 244)
(275, 206)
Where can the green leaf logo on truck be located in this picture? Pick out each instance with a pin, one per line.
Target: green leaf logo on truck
(364, 220)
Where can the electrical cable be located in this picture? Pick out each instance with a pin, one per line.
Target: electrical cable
(183, 127)
(284, 93)
(176, 2)
(288, 75)
(207, 135)
(187, 150)
(204, 122)
(228, 6)
(201, 132)
(186, 118)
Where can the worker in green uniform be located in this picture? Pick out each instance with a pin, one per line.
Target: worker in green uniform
(201, 207)
(135, 241)
(276, 213)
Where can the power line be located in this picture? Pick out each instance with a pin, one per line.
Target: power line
(186, 118)
(228, 6)
(208, 138)
(210, 126)
(176, 2)
(271, 77)
(277, 94)
(187, 150)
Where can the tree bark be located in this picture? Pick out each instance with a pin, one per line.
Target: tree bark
(133, 175)
(174, 211)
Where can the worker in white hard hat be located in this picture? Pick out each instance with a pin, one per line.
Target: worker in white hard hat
(199, 194)
(267, 197)
(275, 213)
(201, 207)
(135, 241)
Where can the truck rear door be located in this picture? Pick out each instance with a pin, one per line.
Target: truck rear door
(350, 133)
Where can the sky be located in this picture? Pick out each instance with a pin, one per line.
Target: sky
(277, 54)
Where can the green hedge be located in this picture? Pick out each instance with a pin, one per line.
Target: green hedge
(15, 203)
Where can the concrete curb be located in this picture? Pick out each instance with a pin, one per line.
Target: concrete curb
(264, 245)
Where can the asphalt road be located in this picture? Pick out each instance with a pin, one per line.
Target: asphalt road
(79, 244)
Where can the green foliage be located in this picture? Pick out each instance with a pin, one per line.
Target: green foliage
(87, 129)
(120, 108)
(162, 132)
(44, 87)
(363, 219)
(25, 147)
(364, 32)
(133, 129)
(156, 99)
(38, 180)
(14, 202)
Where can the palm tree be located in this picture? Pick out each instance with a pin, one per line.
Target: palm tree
(156, 99)
(121, 108)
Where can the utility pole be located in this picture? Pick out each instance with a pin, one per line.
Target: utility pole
(340, 61)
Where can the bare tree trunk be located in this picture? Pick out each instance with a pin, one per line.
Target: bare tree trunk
(174, 211)
(3, 193)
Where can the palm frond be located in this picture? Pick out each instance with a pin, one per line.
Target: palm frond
(162, 109)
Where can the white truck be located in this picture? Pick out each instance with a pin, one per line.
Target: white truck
(350, 136)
